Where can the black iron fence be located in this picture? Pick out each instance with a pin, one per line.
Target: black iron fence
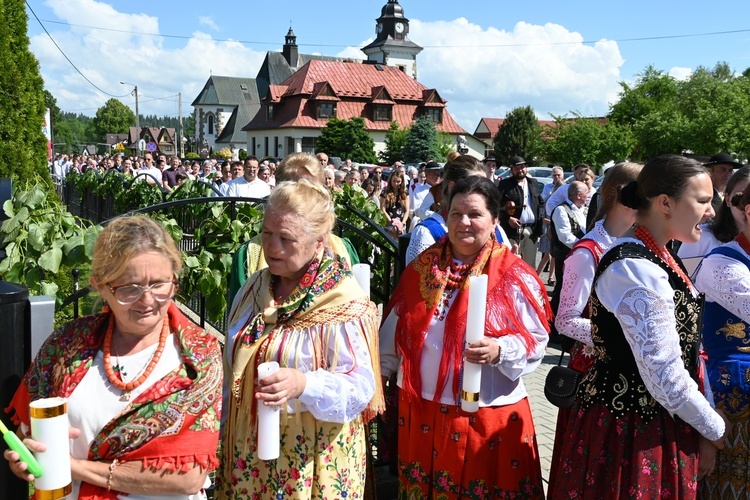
(374, 246)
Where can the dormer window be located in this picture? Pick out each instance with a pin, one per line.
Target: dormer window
(269, 112)
(435, 115)
(326, 110)
(382, 113)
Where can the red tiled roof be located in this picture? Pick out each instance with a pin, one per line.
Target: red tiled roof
(493, 124)
(356, 85)
(275, 92)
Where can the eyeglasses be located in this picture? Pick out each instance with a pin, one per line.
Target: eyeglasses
(130, 294)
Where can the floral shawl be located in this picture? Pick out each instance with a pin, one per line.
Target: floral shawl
(326, 296)
(420, 291)
(171, 425)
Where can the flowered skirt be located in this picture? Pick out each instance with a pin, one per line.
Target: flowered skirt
(318, 461)
(606, 457)
(581, 360)
(445, 453)
(731, 476)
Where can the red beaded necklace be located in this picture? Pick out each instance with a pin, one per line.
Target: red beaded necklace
(114, 378)
(744, 243)
(645, 236)
(455, 275)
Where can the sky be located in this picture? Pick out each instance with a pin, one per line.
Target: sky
(485, 57)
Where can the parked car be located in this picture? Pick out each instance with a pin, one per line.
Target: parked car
(541, 174)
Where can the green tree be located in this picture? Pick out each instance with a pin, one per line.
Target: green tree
(446, 144)
(395, 140)
(587, 140)
(23, 147)
(654, 91)
(520, 134)
(347, 139)
(422, 142)
(112, 118)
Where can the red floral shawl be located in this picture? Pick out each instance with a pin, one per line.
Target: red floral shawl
(420, 290)
(171, 425)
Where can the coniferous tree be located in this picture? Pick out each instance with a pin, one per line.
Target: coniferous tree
(395, 140)
(23, 147)
(422, 142)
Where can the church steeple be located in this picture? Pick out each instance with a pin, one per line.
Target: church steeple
(290, 49)
(392, 45)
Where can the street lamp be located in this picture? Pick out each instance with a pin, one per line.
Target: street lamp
(137, 119)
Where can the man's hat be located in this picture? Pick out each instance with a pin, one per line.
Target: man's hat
(517, 160)
(489, 158)
(723, 159)
(432, 166)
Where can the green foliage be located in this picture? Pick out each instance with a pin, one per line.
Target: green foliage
(112, 118)
(348, 199)
(395, 140)
(43, 242)
(140, 194)
(422, 142)
(23, 147)
(704, 114)
(586, 140)
(242, 155)
(194, 156)
(347, 139)
(446, 145)
(520, 134)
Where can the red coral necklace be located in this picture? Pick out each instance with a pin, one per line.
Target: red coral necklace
(114, 378)
(645, 236)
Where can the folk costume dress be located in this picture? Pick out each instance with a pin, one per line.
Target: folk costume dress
(724, 277)
(445, 453)
(634, 430)
(573, 315)
(170, 422)
(327, 329)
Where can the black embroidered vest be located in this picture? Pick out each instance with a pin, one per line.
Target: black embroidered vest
(614, 380)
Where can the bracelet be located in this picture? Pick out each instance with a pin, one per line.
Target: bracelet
(112, 466)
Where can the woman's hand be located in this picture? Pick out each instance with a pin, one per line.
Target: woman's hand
(282, 386)
(19, 468)
(485, 351)
(706, 457)
(719, 443)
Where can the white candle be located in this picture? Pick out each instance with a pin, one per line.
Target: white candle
(472, 376)
(49, 425)
(269, 419)
(362, 275)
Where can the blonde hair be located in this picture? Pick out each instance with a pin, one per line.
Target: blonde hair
(308, 200)
(298, 165)
(124, 238)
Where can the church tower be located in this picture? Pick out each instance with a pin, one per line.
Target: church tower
(392, 46)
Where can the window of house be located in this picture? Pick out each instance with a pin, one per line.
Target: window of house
(382, 113)
(168, 148)
(210, 124)
(308, 145)
(326, 110)
(434, 115)
(269, 114)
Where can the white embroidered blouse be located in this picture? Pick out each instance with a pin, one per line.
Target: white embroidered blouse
(578, 279)
(726, 281)
(638, 292)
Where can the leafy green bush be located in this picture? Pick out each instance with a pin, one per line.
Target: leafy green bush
(43, 241)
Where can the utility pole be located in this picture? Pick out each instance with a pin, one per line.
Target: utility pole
(137, 119)
(179, 138)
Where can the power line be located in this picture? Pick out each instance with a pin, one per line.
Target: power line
(68, 59)
(251, 42)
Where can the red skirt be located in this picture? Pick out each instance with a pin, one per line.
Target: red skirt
(447, 453)
(606, 457)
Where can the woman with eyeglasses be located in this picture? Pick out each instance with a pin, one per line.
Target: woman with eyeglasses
(142, 382)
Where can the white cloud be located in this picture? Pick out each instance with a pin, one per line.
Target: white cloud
(488, 72)
(109, 57)
(679, 73)
(479, 71)
(208, 21)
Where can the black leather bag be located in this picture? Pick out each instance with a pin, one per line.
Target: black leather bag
(561, 385)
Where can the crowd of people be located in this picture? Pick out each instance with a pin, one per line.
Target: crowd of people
(661, 409)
